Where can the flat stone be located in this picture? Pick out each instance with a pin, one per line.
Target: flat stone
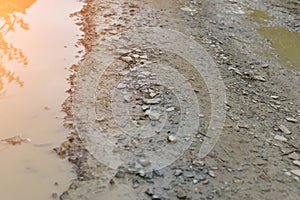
(121, 86)
(152, 94)
(198, 163)
(127, 59)
(265, 65)
(296, 172)
(187, 9)
(152, 101)
(291, 119)
(296, 162)
(156, 197)
(144, 162)
(170, 109)
(280, 138)
(294, 156)
(144, 57)
(284, 129)
(100, 119)
(260, 78)
(211, 173)
(275, 97)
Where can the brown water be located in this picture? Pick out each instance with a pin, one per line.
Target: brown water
(284, 41)
(37, 45)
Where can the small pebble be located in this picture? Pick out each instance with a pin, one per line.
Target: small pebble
(171, 138)
(178, 172)
(291, 119)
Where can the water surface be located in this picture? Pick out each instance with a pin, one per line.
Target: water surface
(37, 46)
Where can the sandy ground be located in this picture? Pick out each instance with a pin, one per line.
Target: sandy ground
(164, 82)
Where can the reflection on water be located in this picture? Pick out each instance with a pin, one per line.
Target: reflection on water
(37, 46)
(10, 18)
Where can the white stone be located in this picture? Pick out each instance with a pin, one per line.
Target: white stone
(170, 109)
(171, 138)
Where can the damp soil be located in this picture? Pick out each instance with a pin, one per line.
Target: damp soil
(257, 154)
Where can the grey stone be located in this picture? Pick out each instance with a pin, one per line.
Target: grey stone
(284, 129)
(178, 172)
(294, 156)
(144, 162)
(127, 98)
(280, 138)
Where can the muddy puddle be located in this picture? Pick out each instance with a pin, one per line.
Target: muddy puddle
(37, 46)
(284, 41)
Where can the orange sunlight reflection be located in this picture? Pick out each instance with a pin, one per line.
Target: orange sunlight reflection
(10, 18)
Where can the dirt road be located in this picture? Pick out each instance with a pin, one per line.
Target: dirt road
(162, 83)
